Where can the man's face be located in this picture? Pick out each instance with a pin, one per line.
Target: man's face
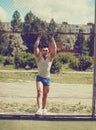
(45, 51)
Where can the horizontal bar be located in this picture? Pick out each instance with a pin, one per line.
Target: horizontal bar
(55, 117)
(36, 33)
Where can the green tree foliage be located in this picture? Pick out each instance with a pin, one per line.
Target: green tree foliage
(4, 43)
(16, 22)
(61, 38)
(52, 27)
(23, 59)
(79, 43)
(81, 63)
(33, 24)
(28, 21)
(85, 49)
(4, 40)
(56, 66)
(15, 44)
(8, 60)
(90, 43)
(65, 57)
(28, 39)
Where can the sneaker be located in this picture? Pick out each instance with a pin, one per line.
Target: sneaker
(44, 111)
(39, 112)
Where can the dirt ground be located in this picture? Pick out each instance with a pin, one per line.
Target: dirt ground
(25, 92)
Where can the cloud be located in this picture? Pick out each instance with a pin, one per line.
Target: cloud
(3, 14)
(71, 11)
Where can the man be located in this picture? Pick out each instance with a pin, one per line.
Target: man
(44, 58)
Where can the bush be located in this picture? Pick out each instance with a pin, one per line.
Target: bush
(20, 60)
(24, 59)
(56, 65)
(81, 63)
(65, 58)
(74, 64)
(2, 58)
(85, 62)
(8, 60)
(31, 62)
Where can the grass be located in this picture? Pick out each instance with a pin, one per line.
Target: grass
(17, 76)
(52, 107)
(73, 78)
(46, 125)
(66, 75)
(66, 78)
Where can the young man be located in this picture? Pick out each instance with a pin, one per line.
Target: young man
(44, 58)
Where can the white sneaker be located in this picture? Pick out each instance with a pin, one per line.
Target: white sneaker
(44, 112)
(39, 111)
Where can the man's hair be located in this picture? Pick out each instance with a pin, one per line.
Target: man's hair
(44, 46)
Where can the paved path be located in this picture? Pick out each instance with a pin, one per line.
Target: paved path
(25, 92)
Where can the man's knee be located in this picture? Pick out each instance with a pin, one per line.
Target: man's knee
(45, 92)
(39, 93)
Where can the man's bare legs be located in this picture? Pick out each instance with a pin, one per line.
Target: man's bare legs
(42, 92)
(45, 94)
(39, 87)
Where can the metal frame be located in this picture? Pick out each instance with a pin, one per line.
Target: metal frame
(54, 117)
(62, 117)
(94, 83)
(36, 33)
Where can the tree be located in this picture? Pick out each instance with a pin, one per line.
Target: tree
(32, 24)
(66, 40)
(52, 26)
(16, 22)
(28, 21)
(90, 43)
(28, 38)
(4, 40)
(85, 50)
(16, 44)
(79, 43)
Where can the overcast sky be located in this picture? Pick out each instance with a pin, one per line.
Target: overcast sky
(71, 11)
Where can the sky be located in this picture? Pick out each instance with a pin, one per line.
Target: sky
(71, 11)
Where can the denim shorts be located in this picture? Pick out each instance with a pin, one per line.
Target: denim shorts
(45, 81)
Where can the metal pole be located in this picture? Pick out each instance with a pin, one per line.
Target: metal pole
(94, 84)
(61, 33)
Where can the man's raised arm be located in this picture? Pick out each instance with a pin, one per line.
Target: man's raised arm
(36, 48)
(52, 46)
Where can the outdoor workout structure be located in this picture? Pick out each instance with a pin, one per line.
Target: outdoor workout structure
(58, 117)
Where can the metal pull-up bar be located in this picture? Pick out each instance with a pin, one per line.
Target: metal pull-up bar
(36, 33)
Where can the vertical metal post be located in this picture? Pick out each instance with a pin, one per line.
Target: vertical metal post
(94, 83)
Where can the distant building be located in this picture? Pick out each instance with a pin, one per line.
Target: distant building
(76, 27)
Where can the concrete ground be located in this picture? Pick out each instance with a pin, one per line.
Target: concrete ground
(25, 92)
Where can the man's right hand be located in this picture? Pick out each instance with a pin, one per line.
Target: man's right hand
(40, 34)
(51, 34)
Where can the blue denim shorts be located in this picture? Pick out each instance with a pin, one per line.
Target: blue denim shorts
(45, 81)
